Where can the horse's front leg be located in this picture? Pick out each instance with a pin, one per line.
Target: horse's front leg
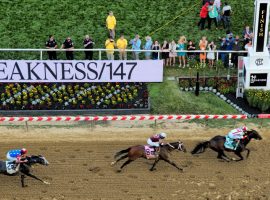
(248, 151)
(172, 163)
(153, 167)
(22, 180)
(34, 177)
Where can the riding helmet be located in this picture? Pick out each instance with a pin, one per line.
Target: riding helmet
(23, 151)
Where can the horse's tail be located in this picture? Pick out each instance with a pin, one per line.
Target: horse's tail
(121, 152)
(200, 148)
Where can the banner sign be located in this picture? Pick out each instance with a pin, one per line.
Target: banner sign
(258, 79)
(261, 27)
(81, 71)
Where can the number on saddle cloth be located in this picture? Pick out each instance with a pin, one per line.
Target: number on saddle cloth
(149, 152)
(11, 167)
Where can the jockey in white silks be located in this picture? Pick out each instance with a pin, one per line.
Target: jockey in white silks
(234, 136)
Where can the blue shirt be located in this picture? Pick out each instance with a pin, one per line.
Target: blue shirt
(136, 45)
(14, 153)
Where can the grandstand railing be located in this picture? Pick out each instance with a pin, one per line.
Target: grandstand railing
(41, 51)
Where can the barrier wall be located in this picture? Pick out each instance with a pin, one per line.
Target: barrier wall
(119, 118)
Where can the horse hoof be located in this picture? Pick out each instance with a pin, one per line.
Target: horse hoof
(181, 170)
(119, 170)
(113, 163)
(45, 182)
(233, 159)
(152, 169)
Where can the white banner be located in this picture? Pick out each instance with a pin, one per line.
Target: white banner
(81, 71)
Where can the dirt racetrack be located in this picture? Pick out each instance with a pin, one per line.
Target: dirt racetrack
(80, 167)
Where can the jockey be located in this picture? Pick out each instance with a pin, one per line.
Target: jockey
(155, 142)
(17, 155)
(235, 135)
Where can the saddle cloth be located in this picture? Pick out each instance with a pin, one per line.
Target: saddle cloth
(149, 152)
(229, 143)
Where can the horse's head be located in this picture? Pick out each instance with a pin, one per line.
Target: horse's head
(254, 134)
(178, 145)
(37, 160)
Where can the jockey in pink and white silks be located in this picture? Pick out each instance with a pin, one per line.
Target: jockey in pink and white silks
(234, 136)
(154, 141)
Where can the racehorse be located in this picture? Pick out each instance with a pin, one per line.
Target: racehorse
(135, 152)
(217, 144)
(24, 168)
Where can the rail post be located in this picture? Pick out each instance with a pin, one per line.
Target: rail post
(41, 56)
(26, 125)
(99, 54)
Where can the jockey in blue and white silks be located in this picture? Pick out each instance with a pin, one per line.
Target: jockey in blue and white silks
(235, 135)
(16, 155)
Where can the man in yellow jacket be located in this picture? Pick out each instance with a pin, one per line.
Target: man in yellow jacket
(111, 24)
(122, 45)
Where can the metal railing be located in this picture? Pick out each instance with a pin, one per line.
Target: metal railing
(41, 51)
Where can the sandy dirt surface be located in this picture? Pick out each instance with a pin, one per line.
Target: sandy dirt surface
(80, 166)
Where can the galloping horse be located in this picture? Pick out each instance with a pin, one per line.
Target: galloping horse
(135, 152)
(24, 168)
(217, 144)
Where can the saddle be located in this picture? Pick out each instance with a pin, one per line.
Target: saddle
(150, 152)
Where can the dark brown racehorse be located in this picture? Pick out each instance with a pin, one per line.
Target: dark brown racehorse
(135, 152)
(217, 144)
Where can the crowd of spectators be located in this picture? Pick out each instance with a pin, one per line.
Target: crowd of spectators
(211, 11)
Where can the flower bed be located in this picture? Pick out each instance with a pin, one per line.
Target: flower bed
(64, 96)
(258, 99)
(221, 84)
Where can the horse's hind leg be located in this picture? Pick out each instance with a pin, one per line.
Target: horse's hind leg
(125, 163)
(121, 158)
(239, 155)
(223, 156)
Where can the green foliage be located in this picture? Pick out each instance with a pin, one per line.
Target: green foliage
(27, 23)
(258, 98)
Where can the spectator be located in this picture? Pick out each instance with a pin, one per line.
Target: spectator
(110, 44)
(226, 12)
(181, 55)
(122, 46)
(212, 15)
(248, 45)
(165, 53)
(217, 3)
(51, 44)
(203, 15)
(172, 54)
(224, 56)
(211, 55)
(229, 40)
(111, 24)
(136, 46)
(236, 47)
(156, 47)
(247, 33)
(88, 43)
(148, 46)
(191, 47)
(68, 46)
(203, 44)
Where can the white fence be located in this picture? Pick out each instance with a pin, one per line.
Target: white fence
(42, 51)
